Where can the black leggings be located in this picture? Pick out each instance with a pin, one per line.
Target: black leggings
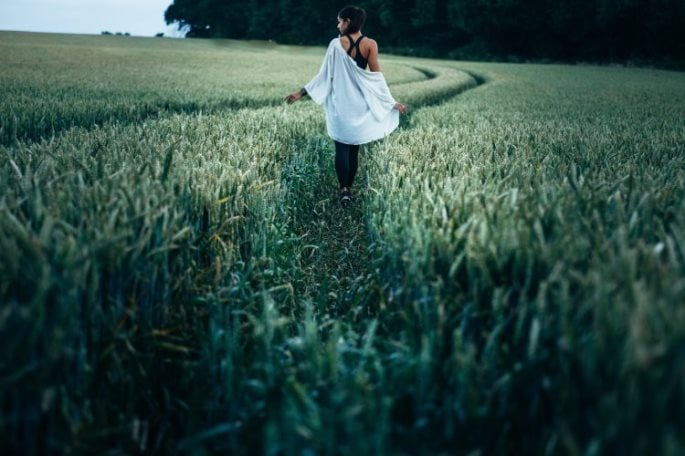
(346, 161)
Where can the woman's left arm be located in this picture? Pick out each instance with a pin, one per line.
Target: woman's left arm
(319, 87)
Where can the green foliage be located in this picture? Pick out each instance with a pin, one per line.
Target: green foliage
(565, 30)
(510, 278)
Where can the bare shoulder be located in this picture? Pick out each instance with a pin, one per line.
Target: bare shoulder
(371, 53)
(369, 47)
(370, 43)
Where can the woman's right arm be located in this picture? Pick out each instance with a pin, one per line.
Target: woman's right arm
(373, 57)
(376, 68)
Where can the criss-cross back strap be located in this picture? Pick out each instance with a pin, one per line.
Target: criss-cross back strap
(354, 44)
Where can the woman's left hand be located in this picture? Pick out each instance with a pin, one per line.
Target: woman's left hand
(293, 97)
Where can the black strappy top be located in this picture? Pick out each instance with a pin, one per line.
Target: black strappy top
(358, 57)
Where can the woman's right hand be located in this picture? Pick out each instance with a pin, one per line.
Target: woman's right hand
(402, 108)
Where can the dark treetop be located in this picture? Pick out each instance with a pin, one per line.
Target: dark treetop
(518, 29)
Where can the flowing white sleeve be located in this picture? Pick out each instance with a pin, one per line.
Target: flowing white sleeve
(376, 93)
(320, 86)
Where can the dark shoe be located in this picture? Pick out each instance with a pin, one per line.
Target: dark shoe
(345, 197)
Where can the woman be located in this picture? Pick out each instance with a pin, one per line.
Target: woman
(358, 104)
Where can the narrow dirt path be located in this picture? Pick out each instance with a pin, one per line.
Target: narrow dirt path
(334, 255)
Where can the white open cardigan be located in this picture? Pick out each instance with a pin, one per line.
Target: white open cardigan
(357, 102)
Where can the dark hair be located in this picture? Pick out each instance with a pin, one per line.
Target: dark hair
(356, 15)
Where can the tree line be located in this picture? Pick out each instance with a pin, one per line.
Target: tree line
(530, 29)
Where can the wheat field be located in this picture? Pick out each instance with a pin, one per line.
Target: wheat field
(177, 275)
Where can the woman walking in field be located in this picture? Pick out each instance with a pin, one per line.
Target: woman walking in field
(358, 105)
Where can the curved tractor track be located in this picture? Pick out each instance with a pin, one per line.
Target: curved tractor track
(336, 250)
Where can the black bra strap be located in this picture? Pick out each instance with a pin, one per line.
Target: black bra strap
(354, 44)
(349, 49)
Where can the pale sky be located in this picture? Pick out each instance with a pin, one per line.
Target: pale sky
(137, 17)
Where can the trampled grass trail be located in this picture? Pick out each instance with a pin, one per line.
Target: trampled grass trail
(333, 239)
(336, 250)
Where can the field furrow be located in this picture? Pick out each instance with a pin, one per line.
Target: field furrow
(177, 274)
(55, 86)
